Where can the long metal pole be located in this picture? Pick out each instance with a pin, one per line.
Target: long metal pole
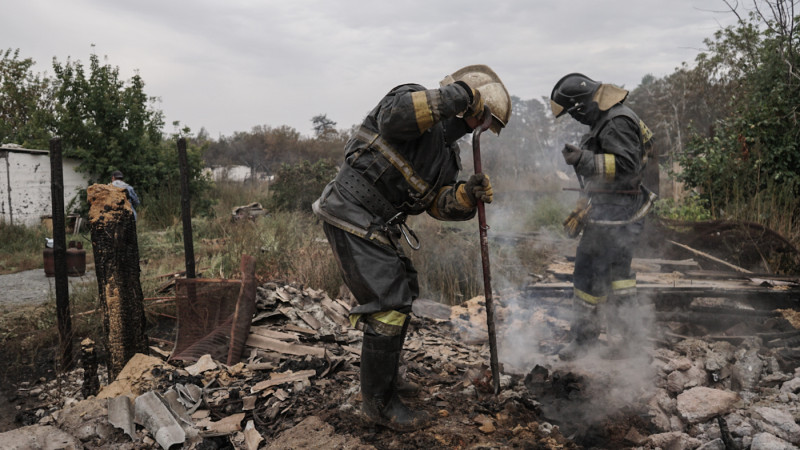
(487, 276)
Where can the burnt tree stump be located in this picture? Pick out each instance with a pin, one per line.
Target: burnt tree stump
(116, 258)
(91, 384)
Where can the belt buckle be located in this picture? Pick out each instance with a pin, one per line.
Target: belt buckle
(397, 219)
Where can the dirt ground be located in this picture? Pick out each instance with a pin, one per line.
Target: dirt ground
(26, 289)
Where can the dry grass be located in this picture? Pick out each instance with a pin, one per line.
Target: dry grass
(287, 246)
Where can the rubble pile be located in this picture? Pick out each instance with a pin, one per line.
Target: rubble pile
(729, 383)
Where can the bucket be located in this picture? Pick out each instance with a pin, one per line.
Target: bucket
(49, 262)
(76, 259)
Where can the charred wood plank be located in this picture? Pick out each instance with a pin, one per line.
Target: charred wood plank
(265, 343)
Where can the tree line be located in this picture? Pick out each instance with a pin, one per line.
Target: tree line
(729, 121)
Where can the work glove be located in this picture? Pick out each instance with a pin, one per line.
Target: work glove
(576, 221)
(477, 187)
(475, 108)
(572, 154)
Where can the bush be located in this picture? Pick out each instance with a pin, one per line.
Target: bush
(297, 186)
(693, 208)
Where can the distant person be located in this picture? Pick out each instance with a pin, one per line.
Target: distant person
(608, 161)
(403, 160)
(117, 181)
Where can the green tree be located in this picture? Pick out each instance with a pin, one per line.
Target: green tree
(107, 123)
(110, 124)
(756, 145)
(323, 126)
(25, 102)
(297, 186)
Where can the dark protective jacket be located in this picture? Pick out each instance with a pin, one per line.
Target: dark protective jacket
(612, 163)
(406, 150)
(613, 160)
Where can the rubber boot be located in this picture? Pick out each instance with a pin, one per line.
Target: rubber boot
(403, 386)
(584, 330)
(380, 357)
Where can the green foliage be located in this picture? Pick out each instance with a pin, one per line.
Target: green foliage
(21, 247)
(692, 208)
(297, 186)
(25, 99)
(323, 126)
(107, 123)
(549, 213)
(757, 143)
(110, 124)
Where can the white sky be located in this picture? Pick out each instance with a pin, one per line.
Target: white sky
(234, 64)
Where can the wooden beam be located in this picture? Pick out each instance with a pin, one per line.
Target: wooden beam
(710, 257)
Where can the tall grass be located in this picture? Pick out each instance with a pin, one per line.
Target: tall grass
(775, 207)
(21, 247)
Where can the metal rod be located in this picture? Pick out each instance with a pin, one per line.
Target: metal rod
(487, 276)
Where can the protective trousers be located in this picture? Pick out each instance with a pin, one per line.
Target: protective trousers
(602, 275)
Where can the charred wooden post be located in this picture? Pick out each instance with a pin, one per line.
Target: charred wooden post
(186, 209)
(116, 257)
(60, 255)
(91, 384)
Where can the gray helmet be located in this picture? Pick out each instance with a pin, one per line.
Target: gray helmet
(572, 90)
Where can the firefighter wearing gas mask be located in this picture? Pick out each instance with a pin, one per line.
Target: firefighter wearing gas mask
(609, 161)
(403, 160)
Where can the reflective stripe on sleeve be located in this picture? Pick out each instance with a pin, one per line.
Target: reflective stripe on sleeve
(609, 166)
(422, 110)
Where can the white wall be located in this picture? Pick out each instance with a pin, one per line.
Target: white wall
(25, 185)
(234, 173)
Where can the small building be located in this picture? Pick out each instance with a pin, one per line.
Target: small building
(235, 173)
(25, 184)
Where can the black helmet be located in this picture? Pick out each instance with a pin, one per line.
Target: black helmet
(572, 90)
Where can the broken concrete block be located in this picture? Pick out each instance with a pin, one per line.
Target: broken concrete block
(777, 422)
(40, 437)
(746, 372)
(700, 404)
(766, 441)
(673, 440)
(135, 378)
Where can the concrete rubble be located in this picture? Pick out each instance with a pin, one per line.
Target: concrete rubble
(297, 387)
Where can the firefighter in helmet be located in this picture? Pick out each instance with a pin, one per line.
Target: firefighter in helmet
(609, 162)
(403, 160)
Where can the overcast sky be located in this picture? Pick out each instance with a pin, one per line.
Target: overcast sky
(230, 65)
